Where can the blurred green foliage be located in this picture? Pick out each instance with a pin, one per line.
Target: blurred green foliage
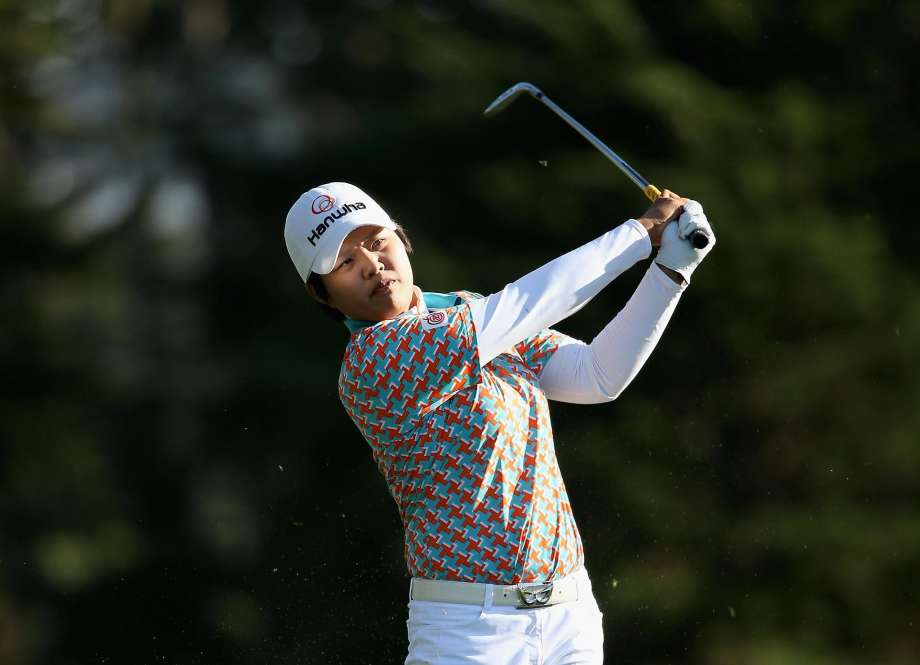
(178, 482)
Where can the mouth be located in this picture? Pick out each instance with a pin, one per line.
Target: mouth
(384, 287)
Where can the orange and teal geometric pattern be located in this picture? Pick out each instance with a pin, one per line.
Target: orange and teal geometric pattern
(467, 452)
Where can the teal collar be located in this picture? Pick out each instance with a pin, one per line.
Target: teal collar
(432, 301)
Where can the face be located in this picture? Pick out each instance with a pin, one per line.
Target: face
(372, 278)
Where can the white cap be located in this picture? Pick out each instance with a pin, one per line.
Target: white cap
(319, 220)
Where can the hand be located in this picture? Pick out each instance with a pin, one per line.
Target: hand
(665, 208)
(676, 251)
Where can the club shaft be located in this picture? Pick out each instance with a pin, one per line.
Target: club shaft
(630, 172)
(698, 238)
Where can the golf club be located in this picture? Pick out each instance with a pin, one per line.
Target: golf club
(698, 238)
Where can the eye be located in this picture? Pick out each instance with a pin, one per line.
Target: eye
(343, 263)
(377, 244)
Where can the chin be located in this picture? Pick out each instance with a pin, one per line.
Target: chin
(397, 305)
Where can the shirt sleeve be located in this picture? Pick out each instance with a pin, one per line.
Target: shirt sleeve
(397, 371)
(537, 350)
(598, 372)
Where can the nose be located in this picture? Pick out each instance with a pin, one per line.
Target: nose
(370, 262)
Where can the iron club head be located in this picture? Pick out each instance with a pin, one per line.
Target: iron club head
(510, 95)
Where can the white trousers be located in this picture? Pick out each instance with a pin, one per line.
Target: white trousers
(454, 634)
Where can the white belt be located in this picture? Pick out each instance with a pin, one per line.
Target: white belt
(526, 595)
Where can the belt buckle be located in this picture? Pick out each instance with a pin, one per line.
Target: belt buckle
(534, 594)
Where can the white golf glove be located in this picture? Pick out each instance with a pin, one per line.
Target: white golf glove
(676, 251)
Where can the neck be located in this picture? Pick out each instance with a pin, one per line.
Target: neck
(419, 298)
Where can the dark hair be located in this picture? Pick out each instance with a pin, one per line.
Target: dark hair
(315, 280)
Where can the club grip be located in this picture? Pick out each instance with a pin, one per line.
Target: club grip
(651, 192)
(699, 239)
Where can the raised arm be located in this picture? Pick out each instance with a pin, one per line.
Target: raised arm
(560, 288)
(600, 371)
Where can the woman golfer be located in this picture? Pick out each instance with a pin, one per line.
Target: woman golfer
(450, 391)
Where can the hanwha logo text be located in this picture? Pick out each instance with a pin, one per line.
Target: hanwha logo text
(322, 203)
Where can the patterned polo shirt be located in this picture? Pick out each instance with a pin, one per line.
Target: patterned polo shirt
(467, 452)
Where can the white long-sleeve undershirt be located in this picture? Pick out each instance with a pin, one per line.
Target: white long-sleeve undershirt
(578, 372)
(598, 372)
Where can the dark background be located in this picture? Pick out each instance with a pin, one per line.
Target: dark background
(178, 481)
